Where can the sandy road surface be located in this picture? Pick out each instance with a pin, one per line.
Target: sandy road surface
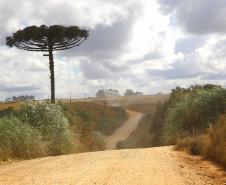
(125, 130)
(152, 166)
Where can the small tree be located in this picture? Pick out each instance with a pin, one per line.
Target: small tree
(129, 92)
(48, 39)
(107, 92)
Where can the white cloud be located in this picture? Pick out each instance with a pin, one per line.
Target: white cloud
(146, 45)
(198, 16)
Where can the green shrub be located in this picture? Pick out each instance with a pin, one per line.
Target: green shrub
(51, 122)
(19, 140)
(36, 130)
(194, 111)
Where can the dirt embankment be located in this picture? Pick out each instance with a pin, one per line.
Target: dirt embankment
(123, 132)
(152, 166)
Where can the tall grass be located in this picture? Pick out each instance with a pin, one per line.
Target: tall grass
(35, 130)
(53, 126)
(194, 146)
(19, 139)
(217, 147)
(211, 145)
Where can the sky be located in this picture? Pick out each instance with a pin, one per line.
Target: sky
(146, 45)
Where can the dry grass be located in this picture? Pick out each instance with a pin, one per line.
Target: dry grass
(197, 146)
(107, 118)
(144, 104)
(131, 100)
(211, 145)
(95, 110)
(143, 107)
(4, 106)
(217, 147)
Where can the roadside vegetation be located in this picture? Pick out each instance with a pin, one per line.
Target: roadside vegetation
(35, 130)
(32, 129)
(194, 120)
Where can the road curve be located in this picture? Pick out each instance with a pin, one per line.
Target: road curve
(151, 166)
(125, 130)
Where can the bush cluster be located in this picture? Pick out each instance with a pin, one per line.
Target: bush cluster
(35, 130)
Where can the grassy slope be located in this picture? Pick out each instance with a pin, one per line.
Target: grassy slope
(107, 118)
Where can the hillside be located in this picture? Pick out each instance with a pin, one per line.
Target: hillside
(107, 118)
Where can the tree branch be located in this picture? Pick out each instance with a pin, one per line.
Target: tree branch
(69, 45)
(64, 48)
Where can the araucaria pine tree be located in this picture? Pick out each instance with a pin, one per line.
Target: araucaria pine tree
(48, 39)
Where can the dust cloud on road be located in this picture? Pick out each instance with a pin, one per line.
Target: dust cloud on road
(125, 130)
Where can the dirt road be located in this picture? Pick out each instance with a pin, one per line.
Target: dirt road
(152, 166)
(123, 132)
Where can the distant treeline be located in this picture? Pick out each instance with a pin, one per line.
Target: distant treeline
(112, 92)
(20, 98)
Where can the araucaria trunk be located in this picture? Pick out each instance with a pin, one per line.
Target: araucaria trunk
(52, 78)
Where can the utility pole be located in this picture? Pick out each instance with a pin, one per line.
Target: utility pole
(70, 97)
(104, 102)
(193, 133)
(85, 98)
